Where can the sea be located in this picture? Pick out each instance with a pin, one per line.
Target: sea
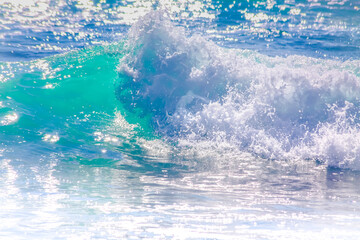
(174, 119)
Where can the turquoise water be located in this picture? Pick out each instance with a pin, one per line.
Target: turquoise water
(173, 120)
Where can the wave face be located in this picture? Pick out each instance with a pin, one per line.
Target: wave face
(63, 105)
(192, 90)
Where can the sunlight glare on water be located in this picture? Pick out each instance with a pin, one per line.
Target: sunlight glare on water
(176, 119)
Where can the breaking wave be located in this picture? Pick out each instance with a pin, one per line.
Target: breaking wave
(161, 83)
(192, 91)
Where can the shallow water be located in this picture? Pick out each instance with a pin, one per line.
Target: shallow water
(254, 200)
(172, 120)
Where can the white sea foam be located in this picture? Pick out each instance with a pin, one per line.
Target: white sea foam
(277, 108)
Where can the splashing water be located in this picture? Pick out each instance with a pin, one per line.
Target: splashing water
(277, 108)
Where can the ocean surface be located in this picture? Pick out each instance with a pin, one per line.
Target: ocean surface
(172, 119)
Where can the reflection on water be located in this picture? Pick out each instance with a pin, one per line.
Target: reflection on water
(257, 199)
(37, 28)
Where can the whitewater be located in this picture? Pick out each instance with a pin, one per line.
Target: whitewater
(173, 120)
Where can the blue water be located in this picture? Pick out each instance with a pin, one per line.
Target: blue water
(179, 120)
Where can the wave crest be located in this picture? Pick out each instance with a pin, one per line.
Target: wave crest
(273, 107)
